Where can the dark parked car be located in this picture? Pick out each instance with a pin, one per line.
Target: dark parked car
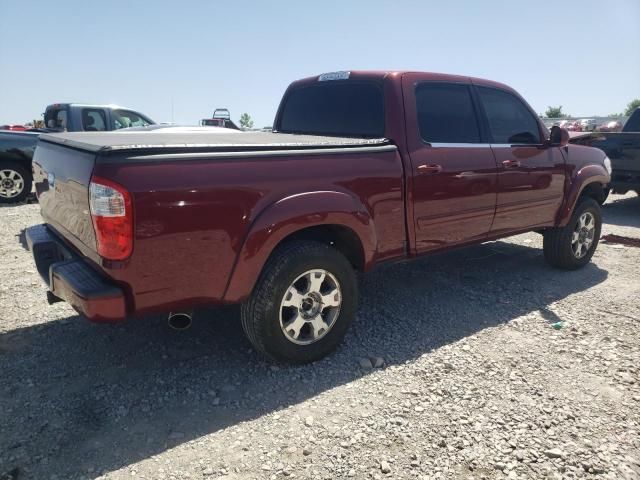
(363, 168)
(16, 152)
(623, 148)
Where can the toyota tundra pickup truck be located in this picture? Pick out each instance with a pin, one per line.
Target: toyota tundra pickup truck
(361, 168)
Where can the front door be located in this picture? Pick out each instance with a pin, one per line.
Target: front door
(531, 173)
(454, 173)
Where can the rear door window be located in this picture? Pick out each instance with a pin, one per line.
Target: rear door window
(510, 121)
(446, 113)
(127, 118)
(93, 120)
(345, 108)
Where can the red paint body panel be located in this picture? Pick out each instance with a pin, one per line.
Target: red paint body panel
(205, 226)
(584, 167)
(191, 232)
(530, 193)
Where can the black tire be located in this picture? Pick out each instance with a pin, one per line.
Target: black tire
(261, 313)
(604, 195)
(557, 241)
(27, 180)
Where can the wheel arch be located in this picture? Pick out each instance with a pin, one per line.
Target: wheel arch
(590, 180)
(335, 218)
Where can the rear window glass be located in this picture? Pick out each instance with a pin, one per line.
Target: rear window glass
(350, 109)
(446, 113)
(56, 119)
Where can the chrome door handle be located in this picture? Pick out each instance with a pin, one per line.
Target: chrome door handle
(429, 168)
(511, 163)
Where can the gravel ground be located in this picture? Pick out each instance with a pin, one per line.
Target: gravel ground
(453, 369)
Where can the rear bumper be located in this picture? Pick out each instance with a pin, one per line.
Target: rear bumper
(71, 279)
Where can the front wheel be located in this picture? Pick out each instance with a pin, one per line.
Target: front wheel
(572, 246)
(302, 304)
(15, 182)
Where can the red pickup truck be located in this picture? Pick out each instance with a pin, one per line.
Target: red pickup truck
(362, 168)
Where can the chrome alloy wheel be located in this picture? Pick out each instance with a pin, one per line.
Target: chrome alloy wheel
(11, 183)
(583, 234)
(310, 307)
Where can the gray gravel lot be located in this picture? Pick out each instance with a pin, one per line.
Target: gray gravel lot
(475, 381)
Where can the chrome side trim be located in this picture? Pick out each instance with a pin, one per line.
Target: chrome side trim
(514, 145)
(459, 145)
(481, 145)
(264, 153)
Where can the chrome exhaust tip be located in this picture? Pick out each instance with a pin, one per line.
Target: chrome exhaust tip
(179, 320)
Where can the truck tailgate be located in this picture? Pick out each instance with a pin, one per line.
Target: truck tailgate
(62, 176)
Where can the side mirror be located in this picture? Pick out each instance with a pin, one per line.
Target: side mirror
(559, 137)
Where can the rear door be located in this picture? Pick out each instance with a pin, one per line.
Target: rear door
(453, 177)
(531, 174)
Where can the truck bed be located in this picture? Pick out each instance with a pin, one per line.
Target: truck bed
(203, 139)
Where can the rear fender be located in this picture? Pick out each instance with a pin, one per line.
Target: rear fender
(292, 214)
(586, 176)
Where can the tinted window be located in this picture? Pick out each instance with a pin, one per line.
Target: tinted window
(93, 120)
(334, 108)
(126, 118)
(446, 113)
(510, 121)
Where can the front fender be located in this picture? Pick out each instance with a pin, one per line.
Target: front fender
(584, 177)
(288, 216)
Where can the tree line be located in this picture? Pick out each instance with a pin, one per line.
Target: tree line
(556, 112)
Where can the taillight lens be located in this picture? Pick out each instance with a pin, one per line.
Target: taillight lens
(112, 215)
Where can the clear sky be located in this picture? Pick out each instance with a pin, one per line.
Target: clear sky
(198, 55)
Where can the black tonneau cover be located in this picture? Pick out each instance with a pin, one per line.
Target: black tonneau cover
(212, 139)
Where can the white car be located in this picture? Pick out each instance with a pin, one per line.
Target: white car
(588, 124)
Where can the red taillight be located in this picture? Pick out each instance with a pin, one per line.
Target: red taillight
(112, 215)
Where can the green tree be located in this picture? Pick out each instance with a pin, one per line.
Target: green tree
(245, 121)
(633, 104)
(555, 112)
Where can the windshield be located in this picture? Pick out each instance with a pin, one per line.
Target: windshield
(350, 109)
(127, 119)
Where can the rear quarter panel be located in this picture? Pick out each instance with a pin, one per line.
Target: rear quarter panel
(193, 216)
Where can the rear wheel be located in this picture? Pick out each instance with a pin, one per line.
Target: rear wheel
(15, 182)
(303, 303)
(572, 246)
